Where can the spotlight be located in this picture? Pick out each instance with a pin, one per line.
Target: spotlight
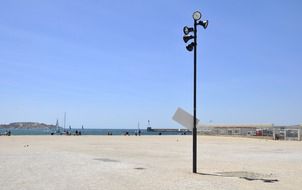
(187, 30)
(190, 46)
(196, 15)
(204, 23)
(187, 38)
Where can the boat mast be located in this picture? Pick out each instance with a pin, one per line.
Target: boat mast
(64, 120)
(57, 125)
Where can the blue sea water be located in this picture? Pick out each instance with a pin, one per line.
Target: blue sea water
(93, 132)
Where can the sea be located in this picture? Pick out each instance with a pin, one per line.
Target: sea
(93, 132)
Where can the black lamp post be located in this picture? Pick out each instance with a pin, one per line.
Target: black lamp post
(190, 47)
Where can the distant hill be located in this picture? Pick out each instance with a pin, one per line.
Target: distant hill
(27, 125)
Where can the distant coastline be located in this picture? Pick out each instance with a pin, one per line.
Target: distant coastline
(27, 125)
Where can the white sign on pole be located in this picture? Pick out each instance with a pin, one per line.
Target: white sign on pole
(184, 118)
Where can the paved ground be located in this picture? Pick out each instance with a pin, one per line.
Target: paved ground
(147, 162)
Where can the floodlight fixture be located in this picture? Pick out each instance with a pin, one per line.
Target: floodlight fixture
(187, 38)
(196, 15)
(187, 30)
(190, 47)
(204, 23)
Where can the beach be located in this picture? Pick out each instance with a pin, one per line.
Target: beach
(148, 162)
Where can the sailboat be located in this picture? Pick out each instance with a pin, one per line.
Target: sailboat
(138, 131)
(58, 127)
(56, 130)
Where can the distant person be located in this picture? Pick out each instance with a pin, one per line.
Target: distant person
(139, 132)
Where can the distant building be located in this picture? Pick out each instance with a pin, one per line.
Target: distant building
(262, 130)
(292, 132)
(238, 130)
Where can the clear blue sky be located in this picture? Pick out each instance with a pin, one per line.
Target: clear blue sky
(112, 63)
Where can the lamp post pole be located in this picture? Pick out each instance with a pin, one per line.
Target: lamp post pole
(194, 102)
(190, 47)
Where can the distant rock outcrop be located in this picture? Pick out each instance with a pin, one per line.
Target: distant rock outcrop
(27, 125)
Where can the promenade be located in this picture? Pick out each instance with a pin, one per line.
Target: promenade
(148, 162)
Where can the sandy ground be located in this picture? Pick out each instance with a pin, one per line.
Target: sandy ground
(148, 162)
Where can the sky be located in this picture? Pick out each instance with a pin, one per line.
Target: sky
(114, 63)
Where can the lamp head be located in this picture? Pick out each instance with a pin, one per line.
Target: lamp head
(187, 30)
(204, 23)
(190, 47)
(187, 38)
(196, 15)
